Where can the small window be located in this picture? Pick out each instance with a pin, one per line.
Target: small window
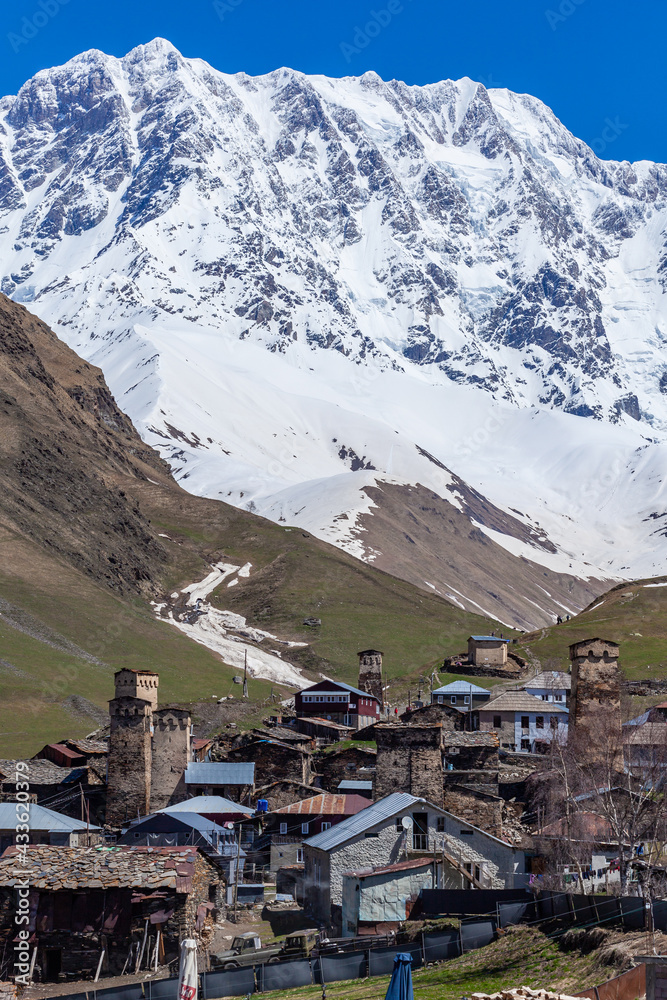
(545, 697)
(496, 722)
(399, 824)
(440, 699)
(525, 722)
(304, 828)
(299, 855)
(525, 745)
(558, 697)
(369, 835)
(466, 833)
(325, 826)
(283, 827)
(539, 722)
(453, 699)
(440, 824)
(477, 873)
(466, 699)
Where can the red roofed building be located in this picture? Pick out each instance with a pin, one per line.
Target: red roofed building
(284, 830)
(61, 755)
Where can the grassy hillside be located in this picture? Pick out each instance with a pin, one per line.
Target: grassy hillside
(633, 614)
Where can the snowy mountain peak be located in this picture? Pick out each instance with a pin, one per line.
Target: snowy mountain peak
(291, 281)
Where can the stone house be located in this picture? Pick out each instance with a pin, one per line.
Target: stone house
(275, 760)
(45, 827)
(323, 730)
(449, 716)
(83, 900)
(409, 759)
(47, 780)
(334, 766)
(550, 685)
(397, 828)
(234, 780)
(463, 695)
(523, 723)
(377, 900)
(338, 702)
(487, 650)
(476, 751)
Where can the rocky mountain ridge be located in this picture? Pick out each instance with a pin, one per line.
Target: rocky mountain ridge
(302, 288)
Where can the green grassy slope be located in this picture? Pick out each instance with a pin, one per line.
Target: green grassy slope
(633, 614)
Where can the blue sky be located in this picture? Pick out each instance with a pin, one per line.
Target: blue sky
(600, 64)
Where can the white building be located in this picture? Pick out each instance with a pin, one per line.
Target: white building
(550, 685)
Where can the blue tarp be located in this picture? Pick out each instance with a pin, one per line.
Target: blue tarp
(400, 984)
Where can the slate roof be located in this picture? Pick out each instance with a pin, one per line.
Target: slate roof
(325, 805)
(555, 680)
(40, 819)
(521, 701)
(651, 734)
(203, 804)
(41, 772)
(55, 868)
(220, 773)
(477, 739)
(461, 687)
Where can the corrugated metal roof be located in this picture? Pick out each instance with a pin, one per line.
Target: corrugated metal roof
(65, 751)
(40, 819)
(203, 804)
(551, 680)
(325, 805)
(376, 813)
(487, 638)
(352, 786)
(348, 687)
(461, 687)
(400, 866)
(220, 773)
(521, 701)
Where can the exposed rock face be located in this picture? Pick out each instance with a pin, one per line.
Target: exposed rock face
(62, 442)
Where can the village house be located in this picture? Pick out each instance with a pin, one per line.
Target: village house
(180, 829)
(212, 807)
(338, 702)
(409, 759)
(398, 828)
(284, 830)
(59, 786)
(45, 827)
(351, 787)
(580, 851)
(61, 755)
(487, 650)
(91, 749)
(550, 685)
(230, 780)
(378, 900)
(449, 716)
(275, 760)
(323, 730)
(524, 724)
(352, 763)
(86, 900)
(283, 793)
(463, 695)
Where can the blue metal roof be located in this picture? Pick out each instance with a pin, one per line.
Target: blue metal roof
(220, 773)
(355, 825)
(461, 687)
(41, 819)
(488, 638)
(208, 804)
(350, 785)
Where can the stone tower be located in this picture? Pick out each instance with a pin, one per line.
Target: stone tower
(149, 749)
(130, 756)
(409, 759)
(171, 754)
(370, 673)
(595, 702)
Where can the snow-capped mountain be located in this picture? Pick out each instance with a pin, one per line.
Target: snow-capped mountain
(313, 294)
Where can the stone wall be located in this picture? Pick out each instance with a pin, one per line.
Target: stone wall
(596, 685)
(170, 757)
(351, 764)
(478, 808)
(275, 762)
(409, 759)
(129, 774)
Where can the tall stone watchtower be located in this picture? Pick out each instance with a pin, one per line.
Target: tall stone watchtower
(130, 758)
(370, 673)
(171, 755)
(137, 684)
(595, 701)
(409, 759)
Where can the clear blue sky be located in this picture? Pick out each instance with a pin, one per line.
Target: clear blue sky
(592, 61)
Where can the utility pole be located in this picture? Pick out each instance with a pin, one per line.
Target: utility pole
(236, 873)
(245, 675)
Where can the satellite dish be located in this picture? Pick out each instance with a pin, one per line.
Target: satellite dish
(407, 822)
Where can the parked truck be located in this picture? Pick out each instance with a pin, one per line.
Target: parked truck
(247, 949)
